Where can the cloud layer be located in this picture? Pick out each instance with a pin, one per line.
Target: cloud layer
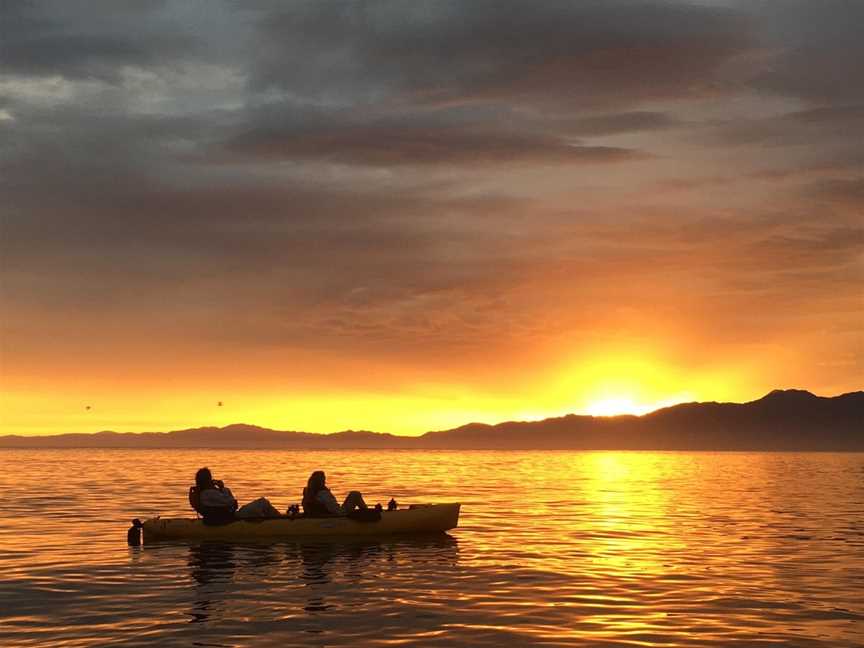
(431, 186)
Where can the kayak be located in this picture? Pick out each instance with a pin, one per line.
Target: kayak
(419, 518)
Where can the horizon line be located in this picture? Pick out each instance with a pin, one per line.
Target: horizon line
(416, 436)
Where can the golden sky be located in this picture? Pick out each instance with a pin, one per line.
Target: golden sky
(404, 217)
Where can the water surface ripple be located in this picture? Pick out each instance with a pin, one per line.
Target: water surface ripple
(554, 548)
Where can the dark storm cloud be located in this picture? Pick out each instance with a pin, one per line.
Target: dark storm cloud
(590, 53)
(814, 49)
(383, 145)
(85, 41)
(449, 82)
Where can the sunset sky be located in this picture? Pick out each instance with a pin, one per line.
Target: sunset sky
(405, 216)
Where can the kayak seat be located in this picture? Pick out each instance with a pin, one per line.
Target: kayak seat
(210, 516)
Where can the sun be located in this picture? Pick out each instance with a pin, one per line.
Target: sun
(619, 405)
(615, 406)
(622, 381)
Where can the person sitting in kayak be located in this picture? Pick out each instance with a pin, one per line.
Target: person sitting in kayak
(212, 499)
(217, 504)
(318, 500)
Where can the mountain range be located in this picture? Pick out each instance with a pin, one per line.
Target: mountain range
(789, 419)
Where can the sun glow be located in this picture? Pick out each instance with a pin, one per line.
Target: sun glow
(616, 381)
(614, 406)
(618, 405)
(608, 381)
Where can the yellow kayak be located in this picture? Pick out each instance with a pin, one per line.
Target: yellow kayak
(422, 518)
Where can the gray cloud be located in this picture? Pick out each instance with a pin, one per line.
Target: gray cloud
(231, 206)
(626, 122)
(86, 42)
(844, 191)
(384, 145)
(798, 127)
(815, 49)
(590, 53)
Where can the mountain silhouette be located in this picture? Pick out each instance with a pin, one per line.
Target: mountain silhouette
(791, 419)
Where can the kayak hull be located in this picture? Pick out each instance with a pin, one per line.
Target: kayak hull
(427, 518)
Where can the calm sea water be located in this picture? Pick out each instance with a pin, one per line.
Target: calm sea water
(554, 548)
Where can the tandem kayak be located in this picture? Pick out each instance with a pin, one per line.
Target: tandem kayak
(422, 518)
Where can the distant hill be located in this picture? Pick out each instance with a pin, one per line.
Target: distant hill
(782, 420)
(237, 435)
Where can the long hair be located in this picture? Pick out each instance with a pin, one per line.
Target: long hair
(314, 486)
(203, 479)
(316, 483)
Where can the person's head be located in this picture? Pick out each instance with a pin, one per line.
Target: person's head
(317, 481)
(204, 479)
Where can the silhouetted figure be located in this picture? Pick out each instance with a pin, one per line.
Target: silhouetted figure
(217, 504)
(133, 535)
(318, 500)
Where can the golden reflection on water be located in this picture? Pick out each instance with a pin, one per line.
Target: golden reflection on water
(554, 548)
(623, 495)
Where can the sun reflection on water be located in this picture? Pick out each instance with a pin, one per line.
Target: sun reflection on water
(567, 548)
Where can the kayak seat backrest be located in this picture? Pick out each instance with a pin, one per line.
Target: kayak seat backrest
(211, 516)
